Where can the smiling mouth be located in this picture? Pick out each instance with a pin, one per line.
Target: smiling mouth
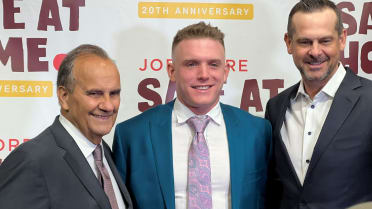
(316, 62)
(202, 87)
(102, 117)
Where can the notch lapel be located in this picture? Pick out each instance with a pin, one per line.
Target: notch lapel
(78, 164)
(231, 124)
(161, 138)
(343, 103)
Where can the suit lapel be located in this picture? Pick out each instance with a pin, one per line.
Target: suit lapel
(161, 137)
(78, 164)
(231, 124)
(117, 176)
(344, 101)
(291, 93)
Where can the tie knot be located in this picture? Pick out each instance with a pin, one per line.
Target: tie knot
(199, 123)
(97, 153)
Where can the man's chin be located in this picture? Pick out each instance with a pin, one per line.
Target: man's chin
(103, 129)
(312, 77)
(314, 74)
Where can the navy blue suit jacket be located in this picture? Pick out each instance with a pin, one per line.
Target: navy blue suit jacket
(340, 170)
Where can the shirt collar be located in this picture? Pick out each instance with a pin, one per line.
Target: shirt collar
(330, 88)
(86, 146)
(332, 85)
(183, 113)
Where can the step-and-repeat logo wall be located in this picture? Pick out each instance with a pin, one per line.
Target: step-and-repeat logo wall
(36, 35)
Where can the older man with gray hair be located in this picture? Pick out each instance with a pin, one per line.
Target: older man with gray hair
(68, 165)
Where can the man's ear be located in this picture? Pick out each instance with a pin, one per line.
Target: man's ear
(343, 39)
(288, 43)
(171, 71)
(63, 96)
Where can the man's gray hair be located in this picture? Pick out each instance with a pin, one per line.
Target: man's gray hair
(65, 76)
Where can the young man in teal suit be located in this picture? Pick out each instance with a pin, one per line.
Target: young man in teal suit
(152, 149)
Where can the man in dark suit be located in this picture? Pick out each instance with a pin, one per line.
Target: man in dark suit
(322, 135)
(154, 151)
(58, 168)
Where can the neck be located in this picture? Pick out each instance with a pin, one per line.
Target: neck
(313, 87)
(200, 109)
(95, 141)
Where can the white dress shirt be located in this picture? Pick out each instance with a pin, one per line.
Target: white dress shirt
(87, 148)
(304, 120)
(215, 135)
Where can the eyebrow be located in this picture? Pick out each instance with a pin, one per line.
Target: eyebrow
(198, 60)
(100, 90)
(116, 91)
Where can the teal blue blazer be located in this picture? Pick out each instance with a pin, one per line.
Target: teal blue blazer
(142, 150)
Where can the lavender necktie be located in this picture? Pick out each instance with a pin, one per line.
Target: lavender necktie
(104, 177)
(199, 173)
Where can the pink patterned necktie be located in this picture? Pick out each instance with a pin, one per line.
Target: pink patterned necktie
(104, 177)
(199, 173)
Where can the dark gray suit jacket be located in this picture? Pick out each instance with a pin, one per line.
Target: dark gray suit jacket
(340, 170)
(50, 171)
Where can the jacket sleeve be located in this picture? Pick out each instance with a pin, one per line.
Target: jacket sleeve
(273, 186)
(22, 183)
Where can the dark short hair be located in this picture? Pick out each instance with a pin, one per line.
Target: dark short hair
(198, 30)
(308, 6)
(65, 76)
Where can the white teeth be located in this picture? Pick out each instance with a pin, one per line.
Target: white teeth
(202, 87)
(101, 116)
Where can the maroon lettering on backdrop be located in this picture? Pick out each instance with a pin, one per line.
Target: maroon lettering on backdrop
(49, 6)
(8, 15)
(352, 60)
(251, 91)
(148, 94)
(366, 64)
(74, 12)
(34, 54)
(366, 15)
(347, 18)
(352, 28)
(14, 51)
(273, 85)
(48, 16)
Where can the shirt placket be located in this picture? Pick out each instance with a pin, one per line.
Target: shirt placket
(308, 135)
